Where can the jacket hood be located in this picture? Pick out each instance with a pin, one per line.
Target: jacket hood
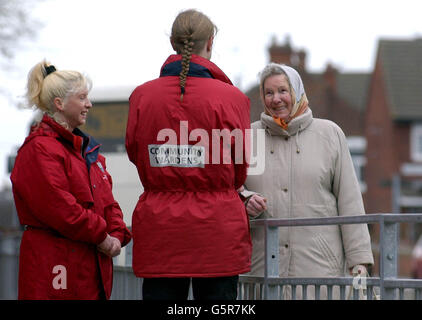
(49, 127)
(198, 67)
(83, 144)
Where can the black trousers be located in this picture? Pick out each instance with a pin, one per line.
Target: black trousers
(223, 288)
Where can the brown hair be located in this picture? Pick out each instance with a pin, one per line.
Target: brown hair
(190, 31)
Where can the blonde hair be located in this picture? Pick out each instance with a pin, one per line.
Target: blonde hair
(43, 87)
(190, 31)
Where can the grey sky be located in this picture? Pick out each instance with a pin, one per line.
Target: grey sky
(124, 43)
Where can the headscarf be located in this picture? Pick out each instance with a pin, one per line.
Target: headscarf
(298, 96)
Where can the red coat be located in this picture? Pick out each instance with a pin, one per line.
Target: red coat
(190, 221)
(68, 211)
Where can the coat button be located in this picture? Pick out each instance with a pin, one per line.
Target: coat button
(272, 151)
(285, 190)
(286, 138)
(94, 186)
(286, 245)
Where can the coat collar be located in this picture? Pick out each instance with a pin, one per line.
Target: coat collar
(295, 125)
(49, 127)
(198, 67)
(83, 144)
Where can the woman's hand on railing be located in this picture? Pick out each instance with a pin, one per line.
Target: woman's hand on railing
(256, 205)
(359, 269)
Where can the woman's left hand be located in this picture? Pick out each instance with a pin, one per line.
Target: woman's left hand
(111, 246)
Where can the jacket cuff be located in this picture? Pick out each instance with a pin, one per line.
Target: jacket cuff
(359, 257)
(124, 236)
(246, 194)
(101, 238)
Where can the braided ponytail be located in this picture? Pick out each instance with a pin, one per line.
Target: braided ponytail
(191, 30)
(186, 56)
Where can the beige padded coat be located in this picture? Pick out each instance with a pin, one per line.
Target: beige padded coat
(309, 173)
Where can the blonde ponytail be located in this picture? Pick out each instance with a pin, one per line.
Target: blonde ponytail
(35, 84)
(45, 83)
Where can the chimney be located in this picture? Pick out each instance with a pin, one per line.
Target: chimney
(281, 54)
(284, 54)
(330, 77)
(302, 60)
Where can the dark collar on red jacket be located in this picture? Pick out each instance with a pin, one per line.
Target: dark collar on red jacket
(84, 144)
(90, 147)
(198, 67)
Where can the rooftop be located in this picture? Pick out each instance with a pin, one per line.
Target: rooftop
(402, 70)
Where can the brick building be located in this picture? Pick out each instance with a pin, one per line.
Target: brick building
(393, 127)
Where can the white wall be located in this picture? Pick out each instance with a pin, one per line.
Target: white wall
(126, 184)
(126, 189)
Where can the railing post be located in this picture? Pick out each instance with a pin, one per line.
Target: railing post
(9, 265)
(396, 193)
(388, 256)
(129, 253)
(272, 258)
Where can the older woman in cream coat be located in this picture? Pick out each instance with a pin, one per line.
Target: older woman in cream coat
(308, 173)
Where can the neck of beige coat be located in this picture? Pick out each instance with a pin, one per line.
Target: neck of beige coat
(295, 125)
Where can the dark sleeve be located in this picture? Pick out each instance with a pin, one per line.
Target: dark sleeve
(241, 158)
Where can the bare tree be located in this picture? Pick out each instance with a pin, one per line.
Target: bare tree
(16, 25)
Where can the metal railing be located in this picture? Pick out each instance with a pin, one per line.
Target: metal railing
(270, 286)
(9, 264)
(386, 287)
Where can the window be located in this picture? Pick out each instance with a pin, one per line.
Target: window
(357, 147)
(416, 142)
(359, 163)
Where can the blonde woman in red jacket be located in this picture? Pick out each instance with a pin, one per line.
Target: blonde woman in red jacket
(63, 196)
(190, 222)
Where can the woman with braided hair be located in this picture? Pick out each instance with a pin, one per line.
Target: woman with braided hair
(189, 224)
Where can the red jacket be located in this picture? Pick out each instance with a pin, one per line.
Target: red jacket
(190, 221)
(68, 210)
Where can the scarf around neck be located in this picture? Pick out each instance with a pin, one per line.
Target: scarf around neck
(299, 123)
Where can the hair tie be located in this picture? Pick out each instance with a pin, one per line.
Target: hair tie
(50, 69)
